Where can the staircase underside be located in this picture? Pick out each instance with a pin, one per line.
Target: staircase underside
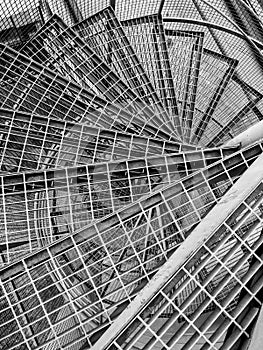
(131, 167)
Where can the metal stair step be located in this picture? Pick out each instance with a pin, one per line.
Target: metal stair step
(231, 251)
(185, 50)
(29, 141)
(216, 71)
(104, 34)
(64, 200)
(147, 37)
(30, 86)
(59, 47)
(135, 237)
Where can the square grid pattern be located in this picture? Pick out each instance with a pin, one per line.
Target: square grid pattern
(103, 265)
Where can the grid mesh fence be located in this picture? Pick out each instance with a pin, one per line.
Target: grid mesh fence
(19, 21)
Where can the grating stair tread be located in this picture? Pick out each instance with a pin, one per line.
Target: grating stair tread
(147, 37)
(104, 34)
(87, 254)
(31, 141)
(58, 47)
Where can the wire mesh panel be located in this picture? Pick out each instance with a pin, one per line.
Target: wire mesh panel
(185, 52)
(89, 8)
(28, 86)
(68, 10)
(40, 207)
(130, 9)
(218, 271)
(36, 142)
(121, 202)
(146, 35)
(94, 273)
(237, 11)
(236, 103)
(58, 47)
(199, 10)
(19, 20)
(105, 35)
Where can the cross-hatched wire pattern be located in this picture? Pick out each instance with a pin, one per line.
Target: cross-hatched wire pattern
(58, 47)
(75, 287)
(40, 207)
(36, 142)
(223, 12)
(237, 100)
(257, 8)
(68, 10)
(223, 274)
(201, 10)
(130, 9)
(19, 21)
(89, 8)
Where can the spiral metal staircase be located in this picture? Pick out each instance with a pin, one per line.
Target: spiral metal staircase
(131, 169)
